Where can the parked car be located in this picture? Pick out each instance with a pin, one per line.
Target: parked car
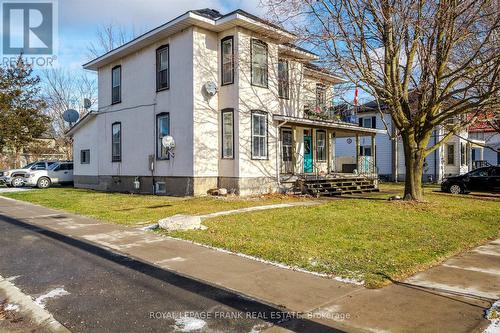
(58, 173)
(485, 179)
(16, 177)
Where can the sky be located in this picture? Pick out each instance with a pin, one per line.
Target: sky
(80, 19)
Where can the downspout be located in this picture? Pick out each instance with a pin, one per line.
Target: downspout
(278, 154)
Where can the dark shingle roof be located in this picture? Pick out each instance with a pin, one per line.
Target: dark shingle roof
(208, 13)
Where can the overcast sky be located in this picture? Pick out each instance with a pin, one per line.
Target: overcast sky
(79, 19)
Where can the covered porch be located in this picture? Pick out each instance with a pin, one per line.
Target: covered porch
(307, 148)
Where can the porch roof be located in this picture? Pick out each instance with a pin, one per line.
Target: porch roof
(342, 129)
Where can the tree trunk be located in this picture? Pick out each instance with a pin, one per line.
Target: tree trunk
(414, 160)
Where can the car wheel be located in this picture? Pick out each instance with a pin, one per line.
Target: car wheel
(17, 182)
(43, 182)
(455, 189)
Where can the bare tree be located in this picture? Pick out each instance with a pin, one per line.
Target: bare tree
(109, 37)
(433, 63)
(63, 90)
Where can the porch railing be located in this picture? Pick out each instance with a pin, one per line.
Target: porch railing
(367, 167)
(480, 164)
(328, 112)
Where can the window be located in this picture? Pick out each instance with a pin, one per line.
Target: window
(320, 95)
(227, 133)
(40, 166)
(482, 172)
(116, 142)
(162, 130)
(162, 68)
(259, 63)
(450, 154)
(116, 85)
(320, 145)
(368, 122)
(259, 135)
(283, 79)
(287, 145)
(227, 60)
(463, 154)
(85, 156)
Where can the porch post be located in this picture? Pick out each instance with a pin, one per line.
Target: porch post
(333, 167)
(481, 153)
(374, 154)
(294, 148)
(357, 153)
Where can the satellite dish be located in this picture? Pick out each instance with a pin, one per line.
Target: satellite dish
(87, 103)
(211, 88)
(168, 142)
(71, 116)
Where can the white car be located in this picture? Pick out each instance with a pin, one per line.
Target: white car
(16, 177)
(57, 173)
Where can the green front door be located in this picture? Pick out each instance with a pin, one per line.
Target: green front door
(308, 157)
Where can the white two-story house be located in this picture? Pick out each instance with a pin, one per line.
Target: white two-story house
(263, 121)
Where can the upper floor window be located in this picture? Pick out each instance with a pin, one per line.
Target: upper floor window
(227, 133)
(259, 63)
(320, 95)
(259, 135)
(163, 130)
(227, 60)
(368, 122)
(116, 142)
(116, 84)
(162, 68)
(283, 79)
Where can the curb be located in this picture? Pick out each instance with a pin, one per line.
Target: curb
(39, 315)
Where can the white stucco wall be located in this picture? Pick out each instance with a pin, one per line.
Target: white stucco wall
(140, 103)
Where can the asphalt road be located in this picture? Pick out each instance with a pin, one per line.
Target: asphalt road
(102, 291)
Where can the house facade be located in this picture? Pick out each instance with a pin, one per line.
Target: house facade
(243, 104)
(455, 157)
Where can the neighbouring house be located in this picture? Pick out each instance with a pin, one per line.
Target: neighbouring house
(484, 131)
(268, 123)
(454, 157)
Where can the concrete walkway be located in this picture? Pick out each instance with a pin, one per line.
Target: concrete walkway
(439, 300)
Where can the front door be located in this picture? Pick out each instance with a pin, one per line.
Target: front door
(308, 157)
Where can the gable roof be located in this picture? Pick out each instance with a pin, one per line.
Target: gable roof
(206, 18)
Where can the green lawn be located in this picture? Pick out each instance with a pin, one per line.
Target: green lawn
(365, 238)
(132, 209)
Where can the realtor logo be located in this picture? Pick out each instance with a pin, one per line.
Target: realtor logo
(28, 27)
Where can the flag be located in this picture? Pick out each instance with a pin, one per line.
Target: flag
(356, 97)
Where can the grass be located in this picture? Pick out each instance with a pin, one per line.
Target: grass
(130, 209)
(366, 238)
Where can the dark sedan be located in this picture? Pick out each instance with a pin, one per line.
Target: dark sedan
(485, 179)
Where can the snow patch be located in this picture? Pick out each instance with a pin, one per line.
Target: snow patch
(11, 307)
(189, 324)
(58, 292)
(259, 328)
(12, 278)
(493, 315)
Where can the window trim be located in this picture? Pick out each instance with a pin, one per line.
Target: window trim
(258, 41)
(325, 146)
(287, 97)
(320, 87)
(112, 87)
(81, 155)
(158, 50)
(162, 114)
(113, 159)
(265, 114)
(224, 111)
(222, 60)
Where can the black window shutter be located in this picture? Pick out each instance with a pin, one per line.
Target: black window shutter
(374, 122)
(360, 122)
(360, 151)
